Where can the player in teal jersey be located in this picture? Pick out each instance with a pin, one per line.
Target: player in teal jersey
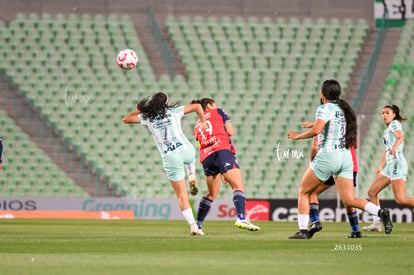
(336, 128)
(352, 214)
(164, 122)
(393, 165)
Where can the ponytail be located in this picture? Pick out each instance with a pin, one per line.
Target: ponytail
(351, 124)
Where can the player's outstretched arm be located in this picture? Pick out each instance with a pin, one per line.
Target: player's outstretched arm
(199, 111)
(131, 118)
(317, 127)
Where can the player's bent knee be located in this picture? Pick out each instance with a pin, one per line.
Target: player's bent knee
(400, 199)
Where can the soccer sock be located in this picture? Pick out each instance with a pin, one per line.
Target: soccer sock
(376, 219)
(188, 215)
(372, 208)
(353, 221)
(239, 201)
(190, 168)
(303, 220)
(203, 209)
(314, 212)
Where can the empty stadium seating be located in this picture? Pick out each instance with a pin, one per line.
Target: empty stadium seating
(266, 73)
(398, 89)
(27, 171)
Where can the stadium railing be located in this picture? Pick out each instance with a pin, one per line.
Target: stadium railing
(398, 90)
(162, 45)
(366, 78)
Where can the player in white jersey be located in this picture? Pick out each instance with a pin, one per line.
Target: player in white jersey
(336, 128)
(393, 166)
(164, 123)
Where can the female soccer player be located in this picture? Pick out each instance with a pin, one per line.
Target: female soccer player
(163, 121)
(314, 202)
(395, 169)
(217, 154)
(335, 126)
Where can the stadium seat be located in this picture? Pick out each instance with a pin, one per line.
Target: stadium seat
(250, 65)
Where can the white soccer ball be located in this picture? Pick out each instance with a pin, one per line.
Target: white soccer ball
(127, 59)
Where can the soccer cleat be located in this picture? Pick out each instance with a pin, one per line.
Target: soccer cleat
(315, 227)
(200, 232)
(384, 214)
(194, 230)
(301, 235)
(193, 185)
(245, 224)
(356, 234)
(374, 227)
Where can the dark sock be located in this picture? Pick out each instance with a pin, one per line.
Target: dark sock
(353, 221)
(314, 212)
(203, 209)
(239, 201)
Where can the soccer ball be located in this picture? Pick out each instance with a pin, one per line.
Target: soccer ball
(127, 59)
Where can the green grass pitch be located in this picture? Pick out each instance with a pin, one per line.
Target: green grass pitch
(74, 247)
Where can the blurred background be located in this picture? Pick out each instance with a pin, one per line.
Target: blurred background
(62, 95)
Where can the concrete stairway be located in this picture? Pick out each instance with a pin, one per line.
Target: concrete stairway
(380, 74)
(150, 47)
(50, 142)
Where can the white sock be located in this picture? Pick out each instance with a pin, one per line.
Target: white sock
(190, 169)
(303, 221)
(188, 215)
(376, 219)
(372, 208)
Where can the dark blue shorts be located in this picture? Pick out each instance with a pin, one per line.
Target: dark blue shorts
(219, 163)
(331, 180)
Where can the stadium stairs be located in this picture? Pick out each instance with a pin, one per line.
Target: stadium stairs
(362, 62)
(378, 80)
(151, 50)
(50, 145)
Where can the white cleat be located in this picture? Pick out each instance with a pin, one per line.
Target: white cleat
(195, 231)
(245, 224)
(374, 227)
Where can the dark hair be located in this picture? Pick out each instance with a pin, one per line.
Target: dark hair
(396, 111)
(331, 90)
(204, 102)
(155, 107)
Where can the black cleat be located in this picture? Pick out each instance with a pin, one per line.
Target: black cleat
(315, 227)
(384, 214)
(356, 234)
(303, 234)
